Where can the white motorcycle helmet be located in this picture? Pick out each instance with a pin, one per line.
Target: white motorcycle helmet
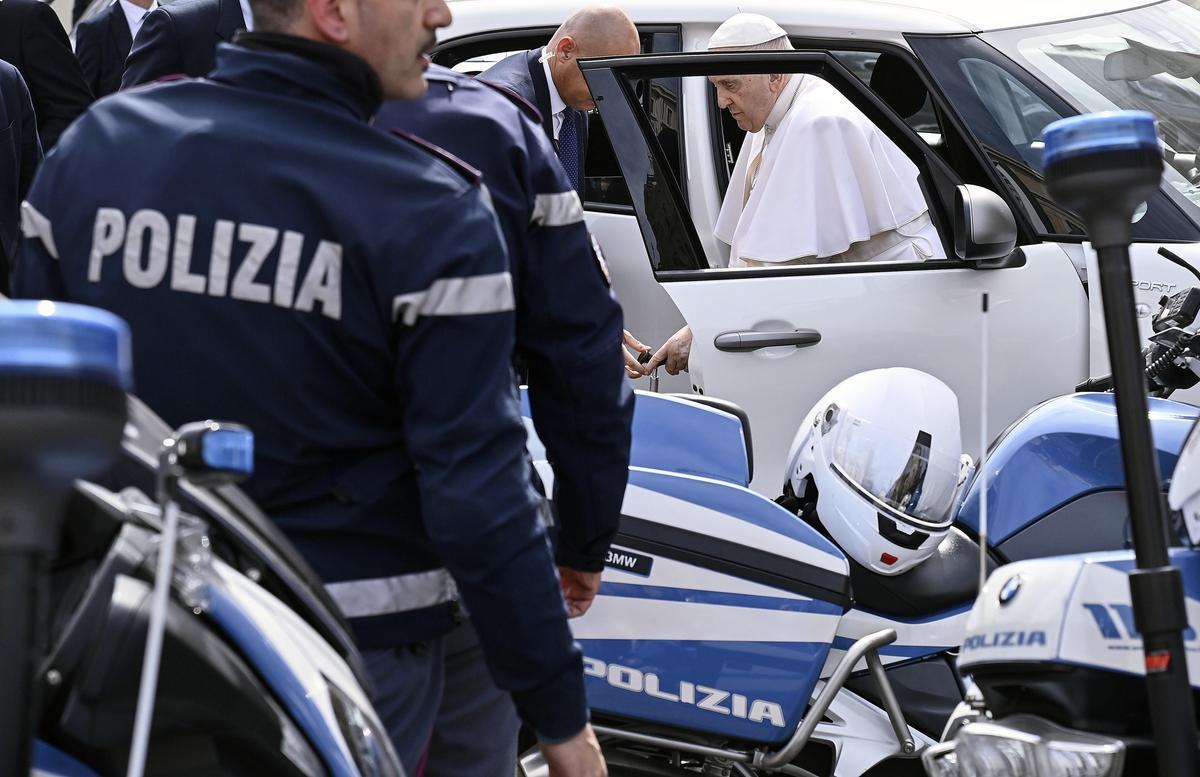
(884, 451)
(1184, 494)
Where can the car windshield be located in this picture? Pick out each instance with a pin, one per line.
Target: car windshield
(1144, 59)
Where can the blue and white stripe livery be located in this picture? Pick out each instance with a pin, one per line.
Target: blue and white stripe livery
(685, 631)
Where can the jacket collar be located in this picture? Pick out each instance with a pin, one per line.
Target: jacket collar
(541, 89)
(296, 67)
(229, 18)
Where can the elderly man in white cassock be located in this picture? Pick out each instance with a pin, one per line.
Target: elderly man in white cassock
(816, 181)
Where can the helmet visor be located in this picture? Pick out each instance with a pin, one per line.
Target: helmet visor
(902, 473)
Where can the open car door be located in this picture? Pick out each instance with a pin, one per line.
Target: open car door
(774, 340)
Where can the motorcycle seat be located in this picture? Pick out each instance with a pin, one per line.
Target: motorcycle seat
(946, 580)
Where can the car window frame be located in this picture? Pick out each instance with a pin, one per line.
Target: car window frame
(609, 78)
(465, 47)
(1026, 232)
(1027, 229)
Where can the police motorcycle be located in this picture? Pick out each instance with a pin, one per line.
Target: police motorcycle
(1088, 665)
(155, 621)
(729, 637)
(817, 633)
(1053, 656)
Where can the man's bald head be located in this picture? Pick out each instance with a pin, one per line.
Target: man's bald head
(600, 31)
(594, 31)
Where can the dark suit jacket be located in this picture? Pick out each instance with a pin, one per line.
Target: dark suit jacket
(181, 38)
(20, 153)
(78, 9)
(524, 74)
(101, 45)
(33, 40)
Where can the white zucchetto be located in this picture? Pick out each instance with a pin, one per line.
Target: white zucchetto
(745, 29)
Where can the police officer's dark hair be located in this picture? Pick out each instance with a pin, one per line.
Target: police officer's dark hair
(274, 15)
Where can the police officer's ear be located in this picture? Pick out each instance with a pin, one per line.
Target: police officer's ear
(334, 20)
(566, 49)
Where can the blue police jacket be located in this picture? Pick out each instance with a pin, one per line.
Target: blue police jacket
(345, 294)
(569, 325)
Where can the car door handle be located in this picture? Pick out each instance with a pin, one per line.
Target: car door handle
(752, 341)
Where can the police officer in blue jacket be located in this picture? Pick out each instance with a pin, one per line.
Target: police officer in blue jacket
(347, 295)
(568, 334)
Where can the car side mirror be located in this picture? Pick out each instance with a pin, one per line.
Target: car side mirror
(985, 232)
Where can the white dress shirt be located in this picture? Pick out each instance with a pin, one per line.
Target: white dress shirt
(135, 15)
(557, 106)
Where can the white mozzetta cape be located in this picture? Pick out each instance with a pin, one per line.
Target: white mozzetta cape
(829, 178)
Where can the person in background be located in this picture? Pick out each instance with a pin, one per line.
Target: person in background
(550, 77)
(102, 43)
(33, 40)
(18, 161)
(815, 182)
(180, 39)
(568, 335)
(358, 313)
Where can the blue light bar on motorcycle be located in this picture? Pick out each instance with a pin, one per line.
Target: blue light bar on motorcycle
(63, 340)
(1099, 133)
(230, 450)
(1103, 167)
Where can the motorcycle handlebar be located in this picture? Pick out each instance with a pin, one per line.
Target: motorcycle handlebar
(1102, 383)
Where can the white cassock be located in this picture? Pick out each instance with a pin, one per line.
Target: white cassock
(825, 185)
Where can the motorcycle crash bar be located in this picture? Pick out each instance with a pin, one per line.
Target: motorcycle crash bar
(865, 648)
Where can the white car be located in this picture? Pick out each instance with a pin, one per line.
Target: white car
(965, 90)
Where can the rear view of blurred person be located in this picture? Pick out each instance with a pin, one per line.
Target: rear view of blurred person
(357, 311)
(568, 333)
(19, 157)
(550, 77)
(33, 41)
(102, 43)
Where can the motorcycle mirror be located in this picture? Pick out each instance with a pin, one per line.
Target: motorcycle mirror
(213, 453)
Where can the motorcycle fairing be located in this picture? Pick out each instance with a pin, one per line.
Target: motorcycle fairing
(49, 761)
(724, 623)
(1073, 611)
(915, 638)
(675, 435)
(292, 659)
(1061, 450)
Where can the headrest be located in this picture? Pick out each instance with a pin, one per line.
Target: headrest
(898, 85)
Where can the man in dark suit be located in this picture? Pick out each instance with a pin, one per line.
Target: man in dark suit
(33, 41)
(181, 39)
(550, 78)
(78, 9)
(102, 43)
(20, 153)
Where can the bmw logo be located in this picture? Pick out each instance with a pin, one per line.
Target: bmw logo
(1010, 590)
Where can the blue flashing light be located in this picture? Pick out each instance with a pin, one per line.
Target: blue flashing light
(231, 450)
(58, 338)
(1099, 133)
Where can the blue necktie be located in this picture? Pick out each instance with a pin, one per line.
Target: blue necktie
(568, 146)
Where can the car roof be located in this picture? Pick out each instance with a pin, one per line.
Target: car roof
(798, 16)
